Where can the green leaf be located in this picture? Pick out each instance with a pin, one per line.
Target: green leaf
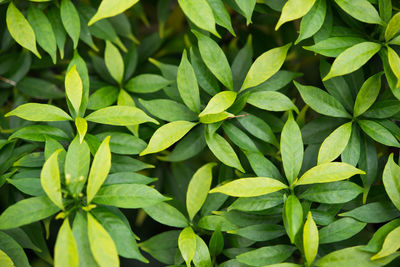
(53, 14)
(367, 94)
(321, 101)
(265, 66)
(223, 150)
(100, 168)
(146, 83)
(198, 189)
(129, 196)
(250, 187)
(187, 84)
(391, 178)
(111, 8)
(166, 214)
(13, 250)
(339, 230)
(81, 127)
(34, 209)
(393, 27)
(294, 9)
(77, 164)
(39, 112)
(215, 59)
(167, 135)
(50, 179)
(119, 230)
(202, 256)
(260, 232)
(271, 101)
(5, 260)
(73, 88)
(219, 103)
(120, 116)
(65, 249)
(334, 46)
(70, 20)
(200, 13)
(239, 138)
(43, 31)
(221, 15)
(123, 143)
(292, 217)
(374, 212)
(353, 58)
(394, 62)
(101, 244)
(310, 239)
(168, 110)
(332, 193)
(103, 97)
(376, 242)
(266, 255)
(312, 21)
(361, 10)
(187, 244)
(114, 62)
(291, 149)
(328, 172)
(20, 29)
(351, 256)
(379, 133)
(258, 128)
(390, 245)
(335, 143)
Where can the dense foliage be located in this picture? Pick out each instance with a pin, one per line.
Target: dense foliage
(200, 133)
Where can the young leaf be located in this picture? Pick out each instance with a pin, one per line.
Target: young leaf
(223, 150)
(5, 260)
(335, 143)
(120, 116)
(100, 167)
(367, 94)
(265, 66)
(294, 9)
(361, 10)
(391, 178)
(394, 62)
(65, 249)
(292, 217)
(34, 209)
(167, 135)
(73, 88)
(291, 149)
(353, 58)
(328, 172)
(321, 101)
(50, 179)
(187, 84)
(200, 13)
(114, 62)
(187, 244)
(198, 189)
(219, 103)
(310, 239)
(393, 27)
(39, 112)
(390, 245)
(111, 8)
(70, 20)
(101, 244)
(202, 255)
(81, 127)
(379, 133)
(250, 187)
(215, 59)
(77, 164)
(312, 21)
(272, 101)
(20, 29)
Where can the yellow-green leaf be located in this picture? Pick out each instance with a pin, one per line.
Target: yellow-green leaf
(334, 144)
(198, 189)
(65, 249)
(100, 167)
(390, 245)
(328, 172)
(73, 88)
(111, 8)
(391, 181)
(361, 10)
(167, 135)
(70, 20)
(101, 244)
(310, 239)
(20, 29)
(81, 127)
(265, 66)
(50, 179)
(393, 27)
(219, 103)
(294, 9)
(120, 116)
(114, 62)
(5, 261)
(39, 112)
(250, 187)
(187, 244)
(367, 95)
(394, 62)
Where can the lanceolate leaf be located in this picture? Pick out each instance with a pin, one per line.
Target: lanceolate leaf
(39, 112)
(110, 8)
(292, 217)
(313, 20)
(73, 88)
(70, 20)
(120, 116)
(362, 10)
(379, 133)
(394, 62)
(367, 94)
(50, 179)
(390, 245)
(294, 9)
(65, 250)
(391, 181)
(187, 244)
(393, 27)
(219, 103)
(310, 239)
(114, 62)
(272, 101)
(335, 143)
